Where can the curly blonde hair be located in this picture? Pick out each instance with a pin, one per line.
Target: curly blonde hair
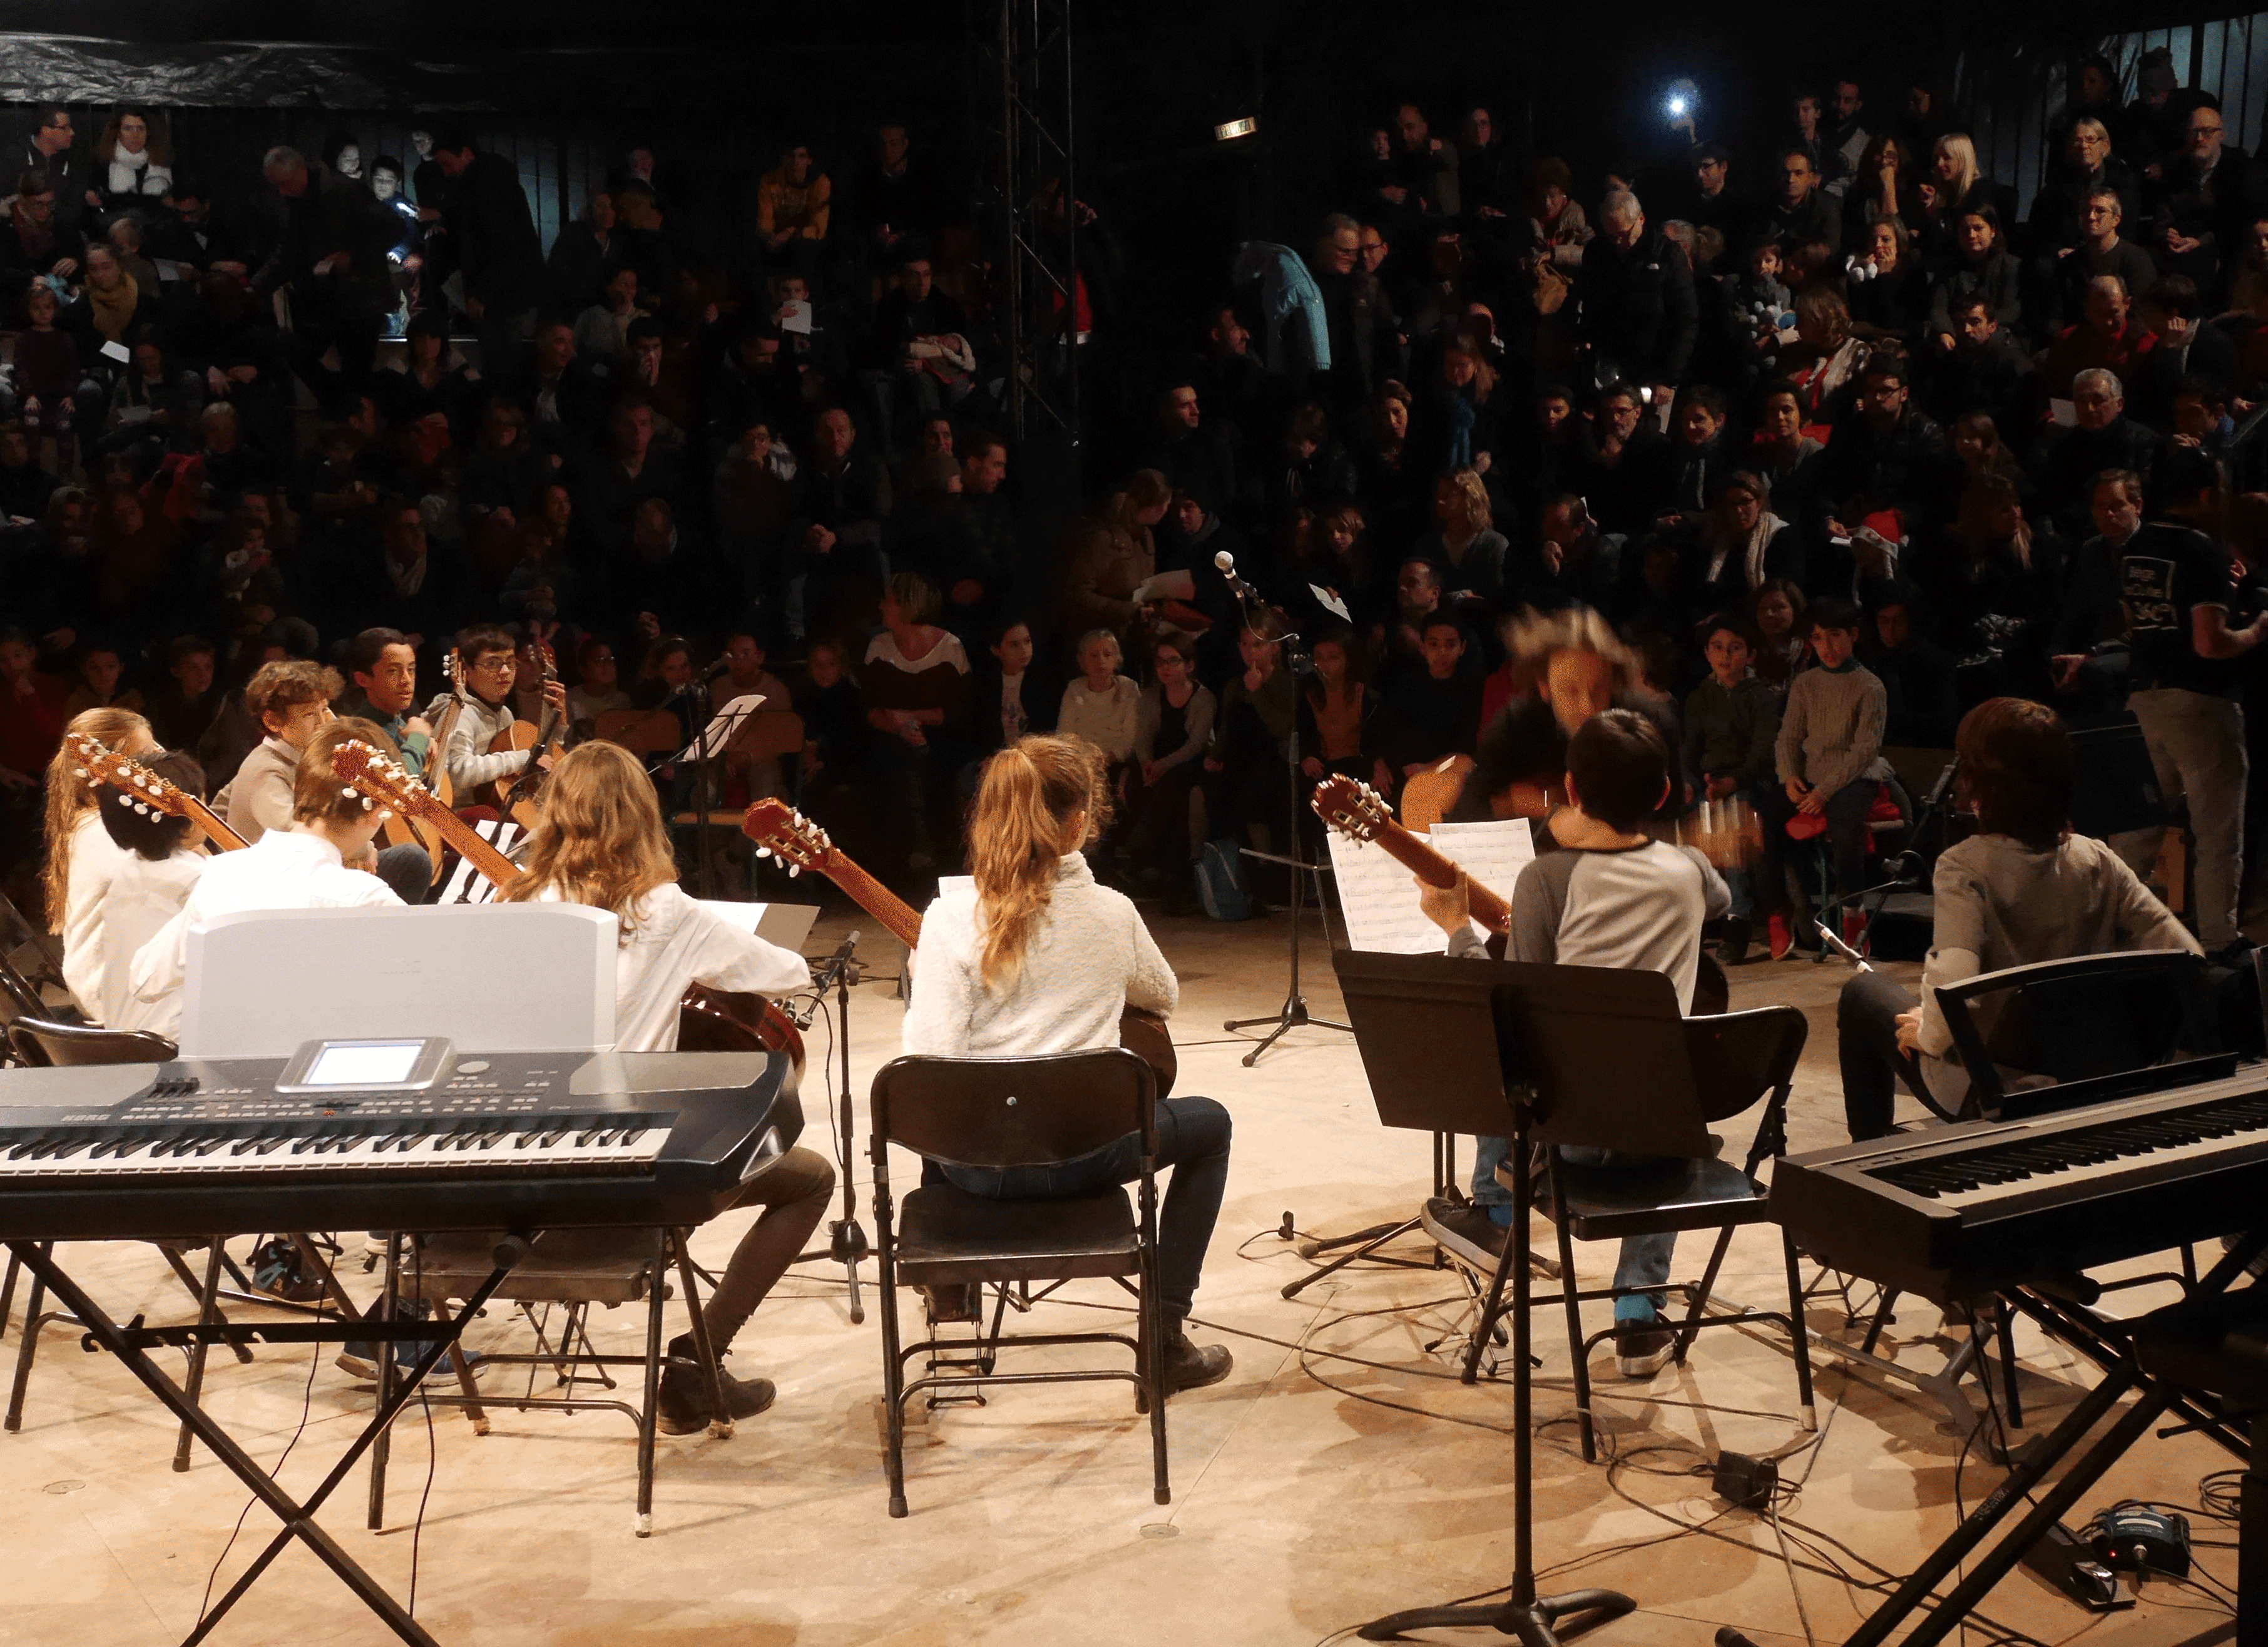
(70, 798)
(1026, 800)
(601, 841)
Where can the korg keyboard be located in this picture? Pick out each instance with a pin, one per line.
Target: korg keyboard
(402, 1135)
(1965, 1211)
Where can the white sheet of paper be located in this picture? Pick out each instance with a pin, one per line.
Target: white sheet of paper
(1330, 603)
(2063, 413)
(721, 726)
(1165, 586)
(795, 317)
(118, 352)
(1378, 896)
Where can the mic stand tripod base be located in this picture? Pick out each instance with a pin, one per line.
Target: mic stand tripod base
(1531, 1621)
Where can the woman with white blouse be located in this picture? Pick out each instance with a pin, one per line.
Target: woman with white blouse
(1027, 956)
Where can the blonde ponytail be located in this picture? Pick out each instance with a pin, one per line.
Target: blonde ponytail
(1026, 799)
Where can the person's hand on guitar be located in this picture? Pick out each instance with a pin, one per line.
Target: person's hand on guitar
(1723, 785)
(1909, 1032)
(1448, 907)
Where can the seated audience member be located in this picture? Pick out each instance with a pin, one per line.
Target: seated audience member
(154, 874)
(1426, 716)
(1102, 705)
(838, 739)
(1921, 704)
(2102, 437)
(185, 703)
(1244, 769)
(101, 681)
(1739, 546)
(1467, 551)
(916, 683)
(319, 859)
(293, 702)
(746, 676)
(598, 688)
(1173, 723)
(1338, 718)
(1029, 957)
(1828, 761)
(1009, 694)
(1731, 723)
(2023, 889)
(601, 843)
(80, 859)
(1612, 896)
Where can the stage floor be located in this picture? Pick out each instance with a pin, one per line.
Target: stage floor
(1341, 1473)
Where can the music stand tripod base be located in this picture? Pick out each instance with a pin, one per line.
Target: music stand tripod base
(1532, 1621)
(1293, 1013)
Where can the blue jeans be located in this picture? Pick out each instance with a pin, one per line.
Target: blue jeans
(1192, 1139)
(1645, 1261)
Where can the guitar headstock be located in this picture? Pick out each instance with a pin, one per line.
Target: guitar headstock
(370, 773)
(456, 672)
(99, 764)
(1352, 807)
(780, 831)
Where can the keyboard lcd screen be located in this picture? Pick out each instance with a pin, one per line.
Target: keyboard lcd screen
(382, 1063)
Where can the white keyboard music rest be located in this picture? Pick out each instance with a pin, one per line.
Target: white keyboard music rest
(520, 977)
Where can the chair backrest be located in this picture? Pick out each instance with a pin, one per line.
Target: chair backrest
(39, 1041)
(1740, 1057)
(2078, 1021)
(1015, 1112)
(1605, 1051)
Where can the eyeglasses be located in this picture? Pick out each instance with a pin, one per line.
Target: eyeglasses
(2204, 131)
(496, 665)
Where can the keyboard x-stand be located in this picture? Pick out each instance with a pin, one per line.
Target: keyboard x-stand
(132, 1341)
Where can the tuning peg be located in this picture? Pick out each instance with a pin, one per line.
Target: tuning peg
(763, 851)
(81, 772)
(794, 870)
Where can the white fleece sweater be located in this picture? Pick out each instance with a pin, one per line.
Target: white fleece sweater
(1091, 958)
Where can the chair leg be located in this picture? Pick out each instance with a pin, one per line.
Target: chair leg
(1801, 1334)
(1690, 1330)
(651, 1412)
(893, 1416)
(207, 1314)
(1152, 1350)
(1882, 1319)
(196, 1290)
(26, 1349)
(720, 1421)
(1569, 1287)
(8, 1290)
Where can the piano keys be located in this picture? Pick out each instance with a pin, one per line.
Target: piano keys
(1965, 1211)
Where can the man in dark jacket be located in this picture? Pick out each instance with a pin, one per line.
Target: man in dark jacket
(1636, 297)
(2207, 202)
(48, 151)
(1352, 301)
(1885, 455)
(1802, 211)
(331, 253)
(496, 246)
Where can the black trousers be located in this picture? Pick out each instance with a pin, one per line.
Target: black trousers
(1866, 1045)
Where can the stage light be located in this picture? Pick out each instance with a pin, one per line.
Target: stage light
(1230, 130)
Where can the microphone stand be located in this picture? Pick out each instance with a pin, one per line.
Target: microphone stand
(846, 1240)
(1293, 1013)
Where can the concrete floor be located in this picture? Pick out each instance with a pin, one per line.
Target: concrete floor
(1341, 1473)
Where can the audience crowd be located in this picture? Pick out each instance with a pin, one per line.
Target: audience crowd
(1813, 447)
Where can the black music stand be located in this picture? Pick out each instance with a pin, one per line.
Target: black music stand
(1552, 1055)
(132, 1341)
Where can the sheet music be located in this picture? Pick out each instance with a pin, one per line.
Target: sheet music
(468, 885)
(721, 727)
(1378, 896)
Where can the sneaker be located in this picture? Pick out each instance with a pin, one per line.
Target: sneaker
(1466, 1231)
(1783, 937)
(1734, 944)
(1642, 1348)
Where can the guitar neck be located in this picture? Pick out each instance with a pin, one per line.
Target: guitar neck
(1430, 866)
(894, 912)
(219, 833)
(478, 851)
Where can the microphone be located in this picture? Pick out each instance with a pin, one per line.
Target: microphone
(842, 960)
(1226, 562)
